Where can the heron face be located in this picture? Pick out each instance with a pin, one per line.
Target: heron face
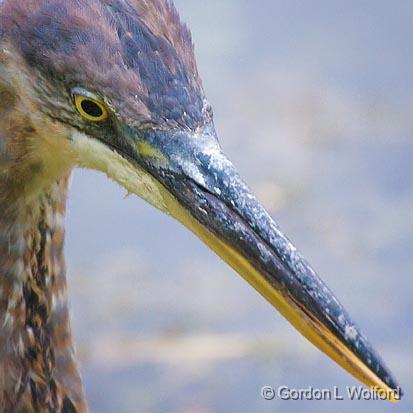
(128, 94)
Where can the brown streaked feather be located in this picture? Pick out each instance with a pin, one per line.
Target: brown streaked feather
(38, 367)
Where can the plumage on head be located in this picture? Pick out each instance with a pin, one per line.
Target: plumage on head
(135, 54)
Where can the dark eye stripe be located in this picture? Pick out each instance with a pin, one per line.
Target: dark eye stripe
(91, 108)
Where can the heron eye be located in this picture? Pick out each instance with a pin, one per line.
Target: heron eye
(90, 109)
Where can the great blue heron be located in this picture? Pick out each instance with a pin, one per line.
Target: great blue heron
(113, 85)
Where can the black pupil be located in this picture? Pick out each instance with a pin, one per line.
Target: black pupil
(91, 108)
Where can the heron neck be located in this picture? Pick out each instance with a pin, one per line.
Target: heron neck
(37, 362)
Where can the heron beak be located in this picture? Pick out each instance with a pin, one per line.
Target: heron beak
(200, 187)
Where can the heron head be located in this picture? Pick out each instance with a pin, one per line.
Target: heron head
(119, 79)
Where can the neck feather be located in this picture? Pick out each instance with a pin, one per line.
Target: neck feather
(38, 371)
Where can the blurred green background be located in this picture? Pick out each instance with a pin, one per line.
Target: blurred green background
(313, 103)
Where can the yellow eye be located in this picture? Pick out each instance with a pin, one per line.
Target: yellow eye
(90, 108)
